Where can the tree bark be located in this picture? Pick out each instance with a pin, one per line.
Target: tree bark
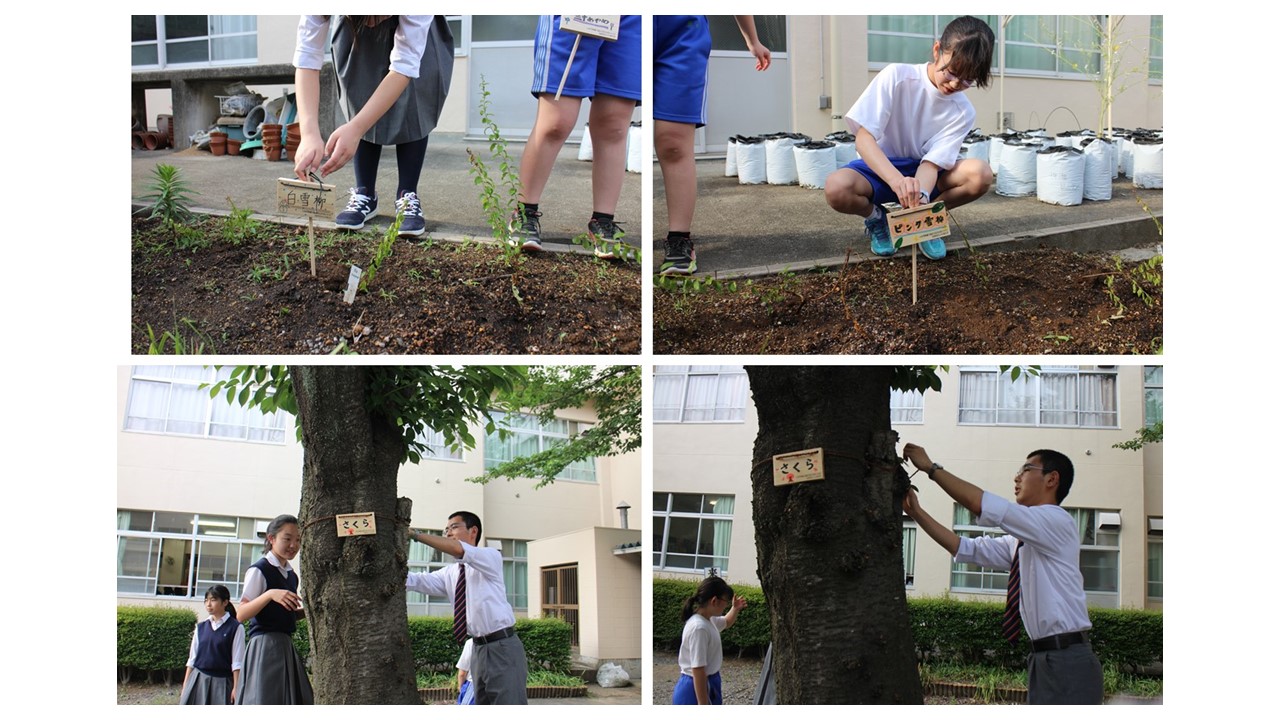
(830, 551)
(352, 587)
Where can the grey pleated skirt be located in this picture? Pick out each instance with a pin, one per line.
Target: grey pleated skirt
(362, 59)
(273, 673)
(203, 689)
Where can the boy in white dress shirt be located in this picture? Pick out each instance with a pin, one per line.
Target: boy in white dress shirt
(1042, 554)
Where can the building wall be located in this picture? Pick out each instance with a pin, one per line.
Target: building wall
(715, 458)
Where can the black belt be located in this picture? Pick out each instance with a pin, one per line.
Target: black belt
(502, 634)
(1058, 642)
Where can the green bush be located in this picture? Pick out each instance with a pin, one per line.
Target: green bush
(150, 638)
(750, 634)
(546, 643)
(1128, 638)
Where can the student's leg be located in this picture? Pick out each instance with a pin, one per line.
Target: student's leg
(674, 144)
(551, 127)
(609, 122)
(410, 158)
(969, 180)
(365, 166)
(849, 192)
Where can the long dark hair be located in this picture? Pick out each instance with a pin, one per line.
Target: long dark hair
(274, 529)
(712, 587)
(220, 592)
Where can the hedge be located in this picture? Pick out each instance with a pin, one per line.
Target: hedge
(945, 630)
(151, 638)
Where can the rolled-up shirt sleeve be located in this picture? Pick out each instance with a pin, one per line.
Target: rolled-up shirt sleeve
(1041, 526)
(410, 43)
(313, 30)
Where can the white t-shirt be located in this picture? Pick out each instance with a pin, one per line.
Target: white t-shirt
(910, 118)
(464, 660)
(406, 53)
(700, 645)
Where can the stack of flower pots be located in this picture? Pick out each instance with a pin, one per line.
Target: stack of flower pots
(271, 140)
(293, 137)
(218, 143)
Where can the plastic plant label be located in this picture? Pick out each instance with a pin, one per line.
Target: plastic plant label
(305, 199)
(357, 524)
(920, 223)
(802, 466)
(604, 27)
(353, 284)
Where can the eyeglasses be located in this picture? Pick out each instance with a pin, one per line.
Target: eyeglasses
(455, 526)
(1029, 466)
(947, 77)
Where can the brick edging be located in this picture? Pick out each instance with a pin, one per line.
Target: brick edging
(535, 692)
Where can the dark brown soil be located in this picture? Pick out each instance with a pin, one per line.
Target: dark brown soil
(222, 291)
(1026, 302)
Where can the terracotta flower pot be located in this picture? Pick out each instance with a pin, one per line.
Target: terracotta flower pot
(273, 152)
(152, 140)
(139, 142)
(218, 143)
(233, 147)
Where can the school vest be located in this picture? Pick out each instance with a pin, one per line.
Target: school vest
(213, 654)
(273, 617)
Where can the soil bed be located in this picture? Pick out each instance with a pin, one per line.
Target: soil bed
(222, 289)
(1026, 302)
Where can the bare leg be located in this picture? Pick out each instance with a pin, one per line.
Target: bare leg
(849, 192)
(554, 122)
(969, 180)
(610, 120)
(674, 144)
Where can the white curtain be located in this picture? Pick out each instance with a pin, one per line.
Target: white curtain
(148, 404)
(700, 398)
(1058, 399)
(668, 388)
(731, 398)
(906, 406)
(1017, 401)
(1098, 401)
(977, 397)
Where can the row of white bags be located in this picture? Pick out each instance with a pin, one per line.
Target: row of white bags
(786, 159)
(634, 155)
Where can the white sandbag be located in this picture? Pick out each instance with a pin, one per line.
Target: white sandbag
(611, 675)
(752, 162)
(1098, 167)
(977, 149)
(634, 157)
(731, 158)
(1126, 157)
(846, 149)
(1148, 163)
(814, 162)
(1017, 176)
(1060, 175)
(781, 161)
(584, 149)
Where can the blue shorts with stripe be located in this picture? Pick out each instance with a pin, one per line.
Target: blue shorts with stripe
(609, 67)
(881, 192)
(681, 47)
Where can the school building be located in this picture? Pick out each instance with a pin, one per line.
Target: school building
(495, 49)
(981, 426)
(199, 479)
(822, 63)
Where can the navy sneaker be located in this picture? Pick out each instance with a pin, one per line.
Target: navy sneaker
(359, 209)
(604, 233)
(934, 249)
(679, 259)
(878, 231)
(526, 231)
(412, 224)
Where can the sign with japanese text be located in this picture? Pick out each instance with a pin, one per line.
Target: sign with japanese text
(920, 223)
(305, 199)
(604, 27)
(356, 524)
(795, 467)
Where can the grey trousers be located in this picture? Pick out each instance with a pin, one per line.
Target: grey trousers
(1071, 676)
(501, 673)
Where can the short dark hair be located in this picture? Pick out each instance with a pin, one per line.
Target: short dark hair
(1054, 461)
(972, 45)
(471, 520)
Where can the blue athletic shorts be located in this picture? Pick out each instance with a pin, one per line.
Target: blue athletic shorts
(681, 47)
(599, 66)
(883, 193)
(683, 694)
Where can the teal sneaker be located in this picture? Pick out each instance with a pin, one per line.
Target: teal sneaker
(934, 249)
(878, 231)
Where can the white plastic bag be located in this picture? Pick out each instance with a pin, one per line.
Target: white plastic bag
(1098, 167)
(731, 158)
(752, 162)
(634, 160)
(780, 167)
(1148, 162)
(1060, 175)
(814, 162)
(1017, 176)
(611, 675)
(584, 149)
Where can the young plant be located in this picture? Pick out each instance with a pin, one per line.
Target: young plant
(498, 196)
(382, 252)
(240, 225)
(615, 246)
(169, 199)
(184, 339)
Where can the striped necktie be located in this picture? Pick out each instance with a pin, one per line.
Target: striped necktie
(460, 606)
(1012, 625)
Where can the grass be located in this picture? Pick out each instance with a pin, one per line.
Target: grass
(537, 678)
(989, 679)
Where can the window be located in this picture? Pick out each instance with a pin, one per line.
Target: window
(168, 399)
(1155, 56)
(424, 559)
(504, 29)
(909, 551)
(1059, 397)
(527, 435)
(909, 38)
(699, 393)
(906, 407)
(971, 576)
(1099, 549)
(436, 447)
(515, 572)
(691, 532)
(1155, 558)
(726, 38)
(183, 554)
(1057, 45)
(1153, 395)
(560, 596)
(165, 40)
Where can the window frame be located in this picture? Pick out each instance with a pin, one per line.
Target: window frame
(665, 515)
(543, 435)
(1038, 409)
(998, 579)
(720, 371)
(1094, 516)
(273, 423)
(434, 605)
(248, 548)
(1058, 73)
(897, 406)
(1157, 40)
(1155, 538)
(742, 52)
(1148, 387)
(162, 39)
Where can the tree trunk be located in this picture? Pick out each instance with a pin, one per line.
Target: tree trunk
(830, 551)
(353, 587)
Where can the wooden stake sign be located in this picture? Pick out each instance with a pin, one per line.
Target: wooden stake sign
(305, 199)
(916, 225)
(604, 27)
(802, 466)
(357, 524)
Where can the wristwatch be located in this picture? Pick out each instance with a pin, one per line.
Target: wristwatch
(933, 469)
